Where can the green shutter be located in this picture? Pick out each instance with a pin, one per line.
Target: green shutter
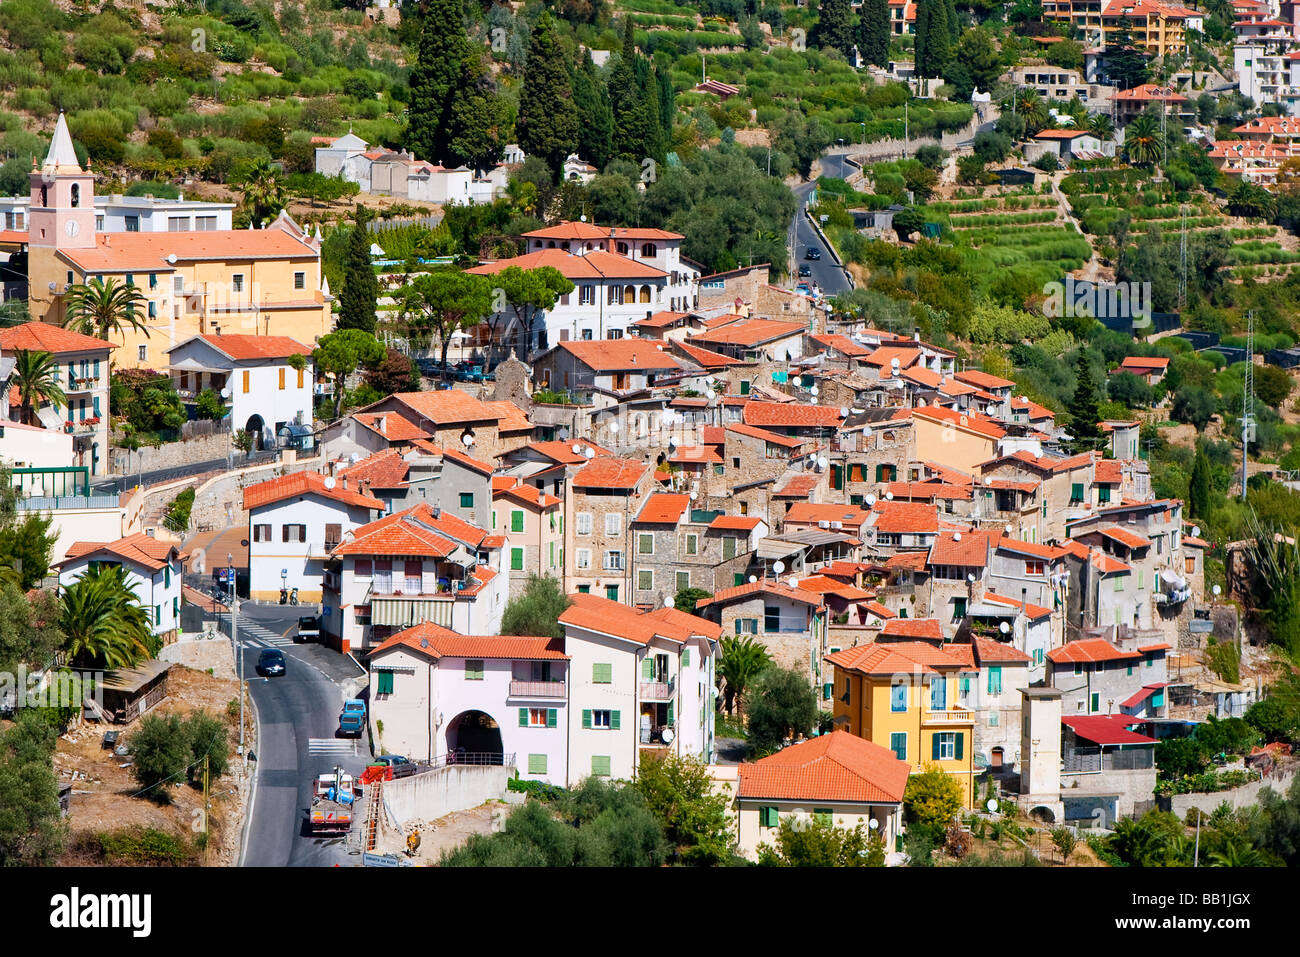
(536, 764)
(516, 559)
(600, 764)
(1076, 492)
(614, 720)
(960, 746)
(516, 521)
(686, 657)
(827, 690)
(602, 674)
(167, 576)
(1096, 702)
(647, 668)
(670, 714)
(586, 717)
(738, 579)
(552, 716)
(880, 473)
(934, 747)
(385, 683)
(523, 717)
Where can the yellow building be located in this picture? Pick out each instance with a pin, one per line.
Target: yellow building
(264, 282)
(909, 697)
(959, 440)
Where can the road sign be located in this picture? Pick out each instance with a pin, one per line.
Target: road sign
(380, 860)
(284, 573)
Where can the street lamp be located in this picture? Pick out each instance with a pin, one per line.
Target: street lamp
(864, 132)
(234, 641)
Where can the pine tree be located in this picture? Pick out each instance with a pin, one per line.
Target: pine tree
(479, 117)
(547, 124)
(596, 125)
(1198, 491)
(627, 103)
(360, 284)
(1083, 407)
(873, 32)
(835, 26)
(435, 80)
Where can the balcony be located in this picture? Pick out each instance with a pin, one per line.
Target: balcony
(77, 386)
(657, 690)
(81, 427)
(537, 689)
(954, 717)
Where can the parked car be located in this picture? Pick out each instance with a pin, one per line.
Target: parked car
(813, 253)
(271, 662)
(392, 760)
(352, 719)
(308, 628)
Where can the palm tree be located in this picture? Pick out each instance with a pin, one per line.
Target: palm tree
(1236, 854)
(103, 309)
(36, 374)
(263, 193)
(1027, 104)
(102, 620)
(1142, 141)
(741, 660)
(1101, 127)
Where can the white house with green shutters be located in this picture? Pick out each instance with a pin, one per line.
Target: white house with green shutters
(152, 571)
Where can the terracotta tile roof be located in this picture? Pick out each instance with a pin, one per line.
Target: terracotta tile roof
(764, 586)
(883, 358)
(924, 628)
(528, 494)
(622, 621)
(563, 451)
(610, 473)
(1124, 537)
(809, 513)
(1061, 134)
(714, 435)
(695, 454)
(990, 652)
(471, 463)
(447, 407)
(1014, 545)
(510, 418)
(414, 532)
(1147, 649)
(621, 355)
(928, 491)
(983, 380)
(798, 486)
(438, 642)
(968, 549)
(244, 348)
(391, 425)
(1149, 92)
(1036, 412)
(1088, 651)
(1031, 610)
(902, 657)
(706, 358)
(579, 230)
(905, 518)
(1108, 566)
(47, 337)
(879, 610)
(661, 320)
(911, 560)
(1195, 542)
(790, 414)
(949, 476)
(821, 585)
(739, 523)
(1010, 485)
(1106, 729)
(787, 441)
(1145, 362)
(596, 264)
(306, 483)
(841, 344)
(663, 508)
(148, 252)
(386, 469)
(972, 421)
(139, 548)
(748, 332)
(836, 767)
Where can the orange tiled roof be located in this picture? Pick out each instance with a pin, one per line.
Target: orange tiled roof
(925, 628)
(610, 473)
(148, 252)
(663, 508)
(596, 264)
(571, 230)
(241, 347)
(983, 380)
(306, 483)
(788, 441)
(905, 518)
(528, 494)
(798, 486)
(790, 414)
(851, 516)
(386, 469)
(471, 463)
(413, 532)
(391, 426)
(563, 451)
(622, 621)
(739, 523)
(841, 344)
(764, 586)
(749, 332)
(706, 358)
(1110, 471)
(1124, 536)
(621, 355)
(1088, 651)
(695, 454)
(902, 657)
(438, 642)
(968, 549)
(47, 337)
(963, 420)
(139, 548)
(835, 767)
(1032, 610)
(989, 652)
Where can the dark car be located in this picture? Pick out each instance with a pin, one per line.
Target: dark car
(308, 628)
(805, 271)
(270, 662)
(392, 760)
(813, 253)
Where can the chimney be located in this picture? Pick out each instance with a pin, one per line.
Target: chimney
(382, 422)
(916, 337)
(345, 483)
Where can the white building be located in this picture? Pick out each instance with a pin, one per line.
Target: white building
(418, 565)
(153, 573)
(294, 522)
(31, 447)
(253, 374)
(334, 152)
(135, 214)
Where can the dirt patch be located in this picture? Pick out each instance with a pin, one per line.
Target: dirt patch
(754, 137)
(445, 834)
(105, 794)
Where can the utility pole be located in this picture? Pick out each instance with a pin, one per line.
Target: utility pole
(1182, 252)
(1247, 400)
(207, 805)
(234, 641)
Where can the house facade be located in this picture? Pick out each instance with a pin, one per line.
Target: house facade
(152, 570)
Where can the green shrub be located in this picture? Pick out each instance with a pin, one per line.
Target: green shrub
(147, 848)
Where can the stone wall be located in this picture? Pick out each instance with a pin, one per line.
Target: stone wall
(170, 455)
(1244, 796)
(212, 497)
(434, 794)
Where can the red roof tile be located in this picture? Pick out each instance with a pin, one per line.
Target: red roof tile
(748, 332)
(740, 523)
(790, 414)
(438, 642)
(306, 483)
(1088, 651)
(1106, 729)
(969, 549)
(850, 516)
(798, 486)
(925, 628)
(1124, 537)
(706, 358)
(764, 586)
(663, 508)
(902, 657)
(1030, 609)
(838, 768)
(390, 425)
(243, 348)
(621, 355)
(982, 379)
(148, 252)
(788, 441)
(988, 652)
(47, 337)
(610, 473)
(386, 469)
(905, 518)
(414, 532)
(139, 548)
(622, 621)
(596, 264)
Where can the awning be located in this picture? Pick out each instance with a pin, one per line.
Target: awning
(772, 549)
(194, 365)
(403, 612)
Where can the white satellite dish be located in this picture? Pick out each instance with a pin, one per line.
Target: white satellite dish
(873, 824)
(1024, 398)
(794, 582)
(225, 393)
(889, 496)
(354, 457)
(893, 364)
(920, 403)
(870, 500)
(778, 567)
(1196, 531)
(993, 805)
(753, 579)
(694, 495)
(821, 461)
(710, 395)
(1004, 627)
(668, 602)
(867, 432)
(329, 482)
(672, 440)
(970, 577)
(577, 450)
(171, 258)
(988, 480)
(468, 440)
(814, 390)
(613, 427)
(590, 453)
(1217, 591)
(956, 536)
(844, 412)
(667, 735)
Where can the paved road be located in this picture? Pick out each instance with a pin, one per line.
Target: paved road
(828, 277)
(297, 717)
(121, 483)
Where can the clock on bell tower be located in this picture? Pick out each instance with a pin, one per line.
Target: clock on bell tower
(62, 212)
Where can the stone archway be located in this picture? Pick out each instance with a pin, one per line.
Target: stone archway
(474, 737)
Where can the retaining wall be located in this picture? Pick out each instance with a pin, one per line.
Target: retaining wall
(1244, 796)
(433, 794)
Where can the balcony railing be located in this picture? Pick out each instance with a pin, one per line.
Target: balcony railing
(656, 690)
(537, 689)
(952, 716)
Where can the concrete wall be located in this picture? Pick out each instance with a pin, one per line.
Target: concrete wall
(171, 454)
(433, 794)
(1244, 796)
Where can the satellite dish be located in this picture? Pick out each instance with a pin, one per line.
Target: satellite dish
(970, 578)
(821, 461)
(672, 440)
(870, 500)
(1024, 398)
(753, 579)
(225, 393)
(844, 412)
(577, 450)
(582, 218)
(710, 395)
(329, 482)
(354, 458)
(794, 582)
(920, 403)
(171, 258)
(468, 440)
(590, 453)
(694, 495)
(1217, 591)
(988, 480)
(613, 427)
(893, 364)
(668, 602)
(667, 735)
(992, 805)
(1196, 531)
(889, 496)
(873, 824)
(814, 390)
(1004, 627)
(956, 536)
(778, 567)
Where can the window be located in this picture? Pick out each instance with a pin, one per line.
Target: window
(237, 282)
(823, 815)
(132, 224)
(683, 580)
(300, 375)
(537, 717)
(645, 579)
(1103, 494)
(645, 543)
(583, 557)
(385, 685)
(333, 534)
(613, 561)
(586, 295)
(293, 533)
(995, 679)
(771, 618)
(467, 500)
(245, 382)
(536, 764)
(1076, 493)
(938, 694)
(958, 609)
(178, 224)
(205, 223)
(584, 523)
(602, 673)
(300, 280)
(600, 720)
(1096, 702)
(516, 559)
(153, 310)
(611, 592)
(281, 379)
(261, 533)
(142, 353)
(693, 545)
(516, 520)
(947, 746)
(898, 744)
(728, 547)
(473, 669)
(898, 697)
(769, 817)
(600, 765)
(1033, 568)
(613, 524)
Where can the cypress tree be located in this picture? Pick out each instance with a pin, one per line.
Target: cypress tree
(940, 48)
(873, 32)
(1198, 491)
(360, 284)
(1083, 406)
(435, 81)
(954, 25)
(667, 104)
(479, 116)
(596, 127)
(626, 102)
(547, 124)
(921, 41)
(835, 26)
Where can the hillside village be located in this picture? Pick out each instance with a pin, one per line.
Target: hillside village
(868, 426)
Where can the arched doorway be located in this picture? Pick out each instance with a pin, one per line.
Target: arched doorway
(474, 737)
(255, 427)
(1044, 814)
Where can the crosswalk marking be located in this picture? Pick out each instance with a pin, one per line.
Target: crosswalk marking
(331, 746)
(253, 633)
